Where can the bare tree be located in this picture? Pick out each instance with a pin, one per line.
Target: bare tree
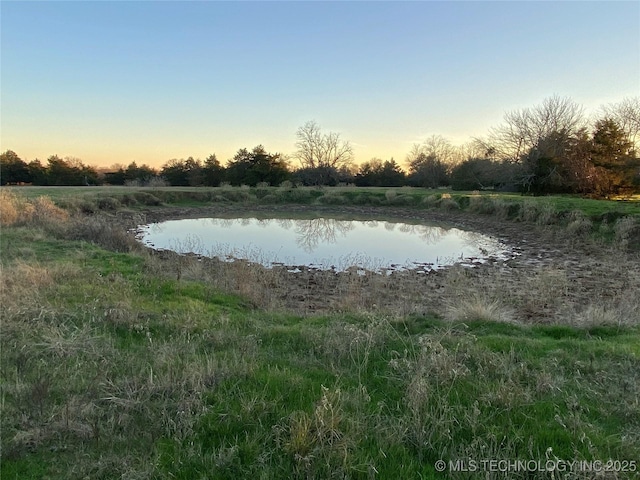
(321, 150)
(436, 146)
(626, 114)
(472, 149)
(429, 162)
(524, 129)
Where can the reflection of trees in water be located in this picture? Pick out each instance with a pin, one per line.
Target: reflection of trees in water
(430, 234)
(222, 222)
(311, 232)
(285, 223)
(485, 244)
(155, 228)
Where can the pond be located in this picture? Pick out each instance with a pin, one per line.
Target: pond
(325, 243)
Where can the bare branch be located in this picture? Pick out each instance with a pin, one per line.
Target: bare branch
(524, 129)
(318, 150)
(627, 115)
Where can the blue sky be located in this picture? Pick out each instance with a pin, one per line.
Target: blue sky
(116, 82)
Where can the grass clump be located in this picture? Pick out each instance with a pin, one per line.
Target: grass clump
(392, 197)
(539, 212)
(478, 308)
(627, 232)
(480, 204)
(579, 224)
(100, 231)
(17, 210)
(430, 201)
(446, 202)
(332, 198)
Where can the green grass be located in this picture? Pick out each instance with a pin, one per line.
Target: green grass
(195, 196)
(110, 368)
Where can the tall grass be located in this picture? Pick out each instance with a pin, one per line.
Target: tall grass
(17, 210)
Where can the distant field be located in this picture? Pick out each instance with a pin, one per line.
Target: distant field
(561, 203)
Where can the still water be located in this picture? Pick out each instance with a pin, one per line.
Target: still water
(324, 243)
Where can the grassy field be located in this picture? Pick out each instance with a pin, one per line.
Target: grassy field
(353, 195)
(115, 366)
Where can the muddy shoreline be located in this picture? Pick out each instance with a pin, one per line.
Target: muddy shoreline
(587, 272)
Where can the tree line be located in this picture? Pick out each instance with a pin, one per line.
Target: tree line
(549, 148)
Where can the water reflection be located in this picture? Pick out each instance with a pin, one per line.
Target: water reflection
(311, 233)
(323, 242)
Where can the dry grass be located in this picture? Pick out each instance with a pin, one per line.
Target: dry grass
(24, 287)
(579, 224)
(16, 210)
(478, 308)
(541, 213)
(448, 203)
(627, 232)
(102, 230)
(623, 313)
(21, 277)
(319, 443)
(537, 294)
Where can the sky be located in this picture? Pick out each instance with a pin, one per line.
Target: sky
(148, 81)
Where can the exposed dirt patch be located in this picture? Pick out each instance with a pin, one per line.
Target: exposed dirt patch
(553, 274)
